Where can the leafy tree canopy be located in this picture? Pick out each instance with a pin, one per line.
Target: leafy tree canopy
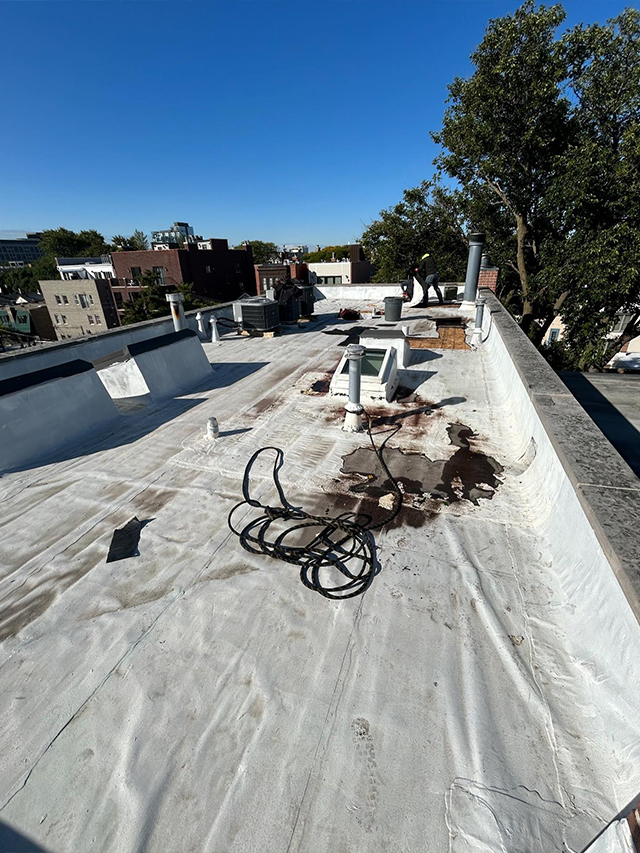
(543, 140)
(427, 219)
(262, 252)
(137, 242)
(62, 243)
(55, 243)
(327, 254)
(151, 302)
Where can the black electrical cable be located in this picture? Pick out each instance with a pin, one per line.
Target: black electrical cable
(342, 543)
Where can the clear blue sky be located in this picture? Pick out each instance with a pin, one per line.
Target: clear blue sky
(283, 121)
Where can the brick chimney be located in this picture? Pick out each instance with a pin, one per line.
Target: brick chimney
(488, 275)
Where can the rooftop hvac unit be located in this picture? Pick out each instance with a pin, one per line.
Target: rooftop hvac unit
(258, 313)
(307, 300)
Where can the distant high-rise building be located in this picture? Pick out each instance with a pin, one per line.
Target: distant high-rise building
(19, 251)
(179, 235)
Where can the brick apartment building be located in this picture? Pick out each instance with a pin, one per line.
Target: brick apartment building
(268, 274)
(218, 273)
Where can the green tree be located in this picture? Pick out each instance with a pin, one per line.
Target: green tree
(18, 280)
(191, 299)
(140, 241)
(151, 302)
(428, 217)
(505, 128)
(148, 303)
(262, 252)
(121, 243)
(544, 142)
(137, 242)
(327, 254)
(594, 202)
(63, 243)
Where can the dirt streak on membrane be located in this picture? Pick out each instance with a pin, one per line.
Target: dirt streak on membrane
(467, 475)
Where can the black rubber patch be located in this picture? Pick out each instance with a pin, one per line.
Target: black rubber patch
(124, 542)
(29, 380)
(161, 341)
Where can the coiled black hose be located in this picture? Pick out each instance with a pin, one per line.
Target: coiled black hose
(343, 543)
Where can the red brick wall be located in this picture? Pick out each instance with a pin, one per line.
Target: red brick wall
(219, 273)
(167, 258)
(488, 278)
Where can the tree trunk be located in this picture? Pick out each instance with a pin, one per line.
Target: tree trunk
(527, 307)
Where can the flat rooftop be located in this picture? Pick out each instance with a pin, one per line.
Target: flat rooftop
(198, 697)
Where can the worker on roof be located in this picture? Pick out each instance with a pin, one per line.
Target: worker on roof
(425, 272)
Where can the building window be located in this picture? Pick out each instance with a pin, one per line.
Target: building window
(56, 318)
(90, 319)
(621, 322)
(554, 335)
(83, 300)
(65, 299)
(58, 299)
(159, 271)
(118, 299)
(136, 273)
(63, 318)
(90, 297)
(75, 299)
(98, 320)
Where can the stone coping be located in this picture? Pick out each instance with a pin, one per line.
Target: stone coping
(607, 488)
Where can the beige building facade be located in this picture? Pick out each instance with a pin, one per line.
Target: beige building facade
(79, 307)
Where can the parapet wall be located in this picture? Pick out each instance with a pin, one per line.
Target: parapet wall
(367, 292)
(44, 411)
(94, 347)
(587, 496)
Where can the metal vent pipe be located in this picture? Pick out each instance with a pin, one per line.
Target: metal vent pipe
(354, 409)
(480, 303)
(175, 300)
(476, 242)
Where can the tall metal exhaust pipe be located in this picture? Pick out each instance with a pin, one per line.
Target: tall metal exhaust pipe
(177, 311)
(354, 409)
(476, 242)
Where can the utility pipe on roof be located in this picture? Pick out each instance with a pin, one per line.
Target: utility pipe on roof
(177, 310)
(215, 335)
(476, 242)
(480, 303)
(354, 409)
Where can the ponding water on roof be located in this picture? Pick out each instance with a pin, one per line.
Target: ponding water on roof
(477, 692)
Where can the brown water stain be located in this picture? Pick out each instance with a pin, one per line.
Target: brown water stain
(152, 499)
(31, 600)
(367, 511)
(261, 406)
(468, 475)
(225, 572)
